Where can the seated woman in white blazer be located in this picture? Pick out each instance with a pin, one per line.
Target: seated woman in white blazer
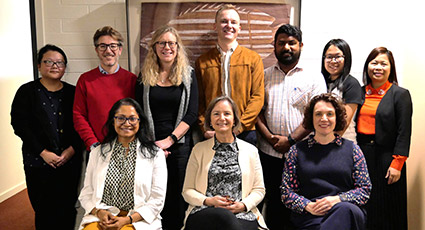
(126, 176)
(224, 179)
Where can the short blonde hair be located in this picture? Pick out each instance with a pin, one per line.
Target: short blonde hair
(226, 7)
(151, 66)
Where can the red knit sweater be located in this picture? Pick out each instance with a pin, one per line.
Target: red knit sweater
(94, 96)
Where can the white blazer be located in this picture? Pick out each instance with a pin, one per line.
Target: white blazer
(150, 185)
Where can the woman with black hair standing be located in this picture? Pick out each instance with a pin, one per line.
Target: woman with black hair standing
(42, 118)
(384, 128)
(336, 65)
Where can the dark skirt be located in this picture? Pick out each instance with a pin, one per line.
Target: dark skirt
(387, 206)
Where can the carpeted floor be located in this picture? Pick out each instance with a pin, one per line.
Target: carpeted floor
(16, 213)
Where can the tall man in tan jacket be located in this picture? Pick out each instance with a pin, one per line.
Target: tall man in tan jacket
(232, 70)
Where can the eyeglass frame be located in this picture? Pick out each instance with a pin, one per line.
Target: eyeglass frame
(54, 63)
(108, 45)
(127, 119)
(337, 58)
(171, 44)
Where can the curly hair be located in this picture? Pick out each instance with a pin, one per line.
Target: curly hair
(151, 66)
(340, 114)
(236, 116)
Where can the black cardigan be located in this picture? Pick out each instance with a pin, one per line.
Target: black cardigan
(393, 121)
(31, 124)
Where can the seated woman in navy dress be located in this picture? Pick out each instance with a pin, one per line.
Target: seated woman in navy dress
(325, 178)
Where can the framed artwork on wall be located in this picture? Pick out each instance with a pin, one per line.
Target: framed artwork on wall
(195, 24)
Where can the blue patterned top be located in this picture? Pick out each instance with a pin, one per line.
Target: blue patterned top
(313, 171)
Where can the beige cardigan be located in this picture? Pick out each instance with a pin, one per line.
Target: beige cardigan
(196, 179)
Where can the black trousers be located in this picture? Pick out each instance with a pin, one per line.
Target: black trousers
(218, 219)
(276, 215)
(53, 194)
(175, 206)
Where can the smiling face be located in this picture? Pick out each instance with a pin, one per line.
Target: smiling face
(379, 70)
(126, 132)
(108, 58)
(166, 54)
(222, 117)
(227, 26)
(287, 49)
(54, 72)
(324, 119)
(334, 62)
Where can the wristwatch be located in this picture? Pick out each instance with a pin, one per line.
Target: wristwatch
(291, 140)
(174, 138)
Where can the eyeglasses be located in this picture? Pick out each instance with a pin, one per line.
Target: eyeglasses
(59, 64)
(337, 58)
(170, 44)
(112, 46)
(121, 120)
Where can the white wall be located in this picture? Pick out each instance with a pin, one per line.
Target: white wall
(16, 68)
(366, 25)
(70, 24)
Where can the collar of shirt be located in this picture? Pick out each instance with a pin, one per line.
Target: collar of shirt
(297, 68)
(105, 72)
(312, 141)
(382, 90)
(222, 146)
(231, 50)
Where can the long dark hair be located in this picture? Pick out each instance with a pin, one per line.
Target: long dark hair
(142, 134)
(373, 54)
(345, 48)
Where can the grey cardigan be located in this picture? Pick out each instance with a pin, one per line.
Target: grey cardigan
(184, 104)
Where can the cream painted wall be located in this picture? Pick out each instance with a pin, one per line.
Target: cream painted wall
(16, 68)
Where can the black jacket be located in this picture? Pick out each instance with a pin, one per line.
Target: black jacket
(30, 122)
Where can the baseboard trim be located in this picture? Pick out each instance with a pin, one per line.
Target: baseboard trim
(12, 191)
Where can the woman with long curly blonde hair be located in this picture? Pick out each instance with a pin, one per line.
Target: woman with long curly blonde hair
(168, 93)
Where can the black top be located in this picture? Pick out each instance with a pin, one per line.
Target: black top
(32, 124)
(164, 102)
(352, 91)
(52, 105)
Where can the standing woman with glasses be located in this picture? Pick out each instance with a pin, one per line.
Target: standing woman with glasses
(42, 117)
(168, 93)
(126, 176)
(336, 65)
(384, 127)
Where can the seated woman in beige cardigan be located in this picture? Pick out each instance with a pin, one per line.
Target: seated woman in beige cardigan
(224, 178)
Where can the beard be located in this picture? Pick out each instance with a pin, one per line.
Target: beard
(288, 60)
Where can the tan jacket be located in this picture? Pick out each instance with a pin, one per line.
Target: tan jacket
(246, 76)
(196, 179)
